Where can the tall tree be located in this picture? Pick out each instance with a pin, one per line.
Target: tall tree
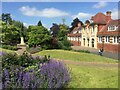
(63, 20)
(54, 30)
(63, 31)
(39, 23)
(38, 35)
(75, 23)
(7, 18)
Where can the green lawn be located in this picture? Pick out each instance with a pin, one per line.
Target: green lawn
(76, 56)
(6, 50)
(90, 77)
(87, 76)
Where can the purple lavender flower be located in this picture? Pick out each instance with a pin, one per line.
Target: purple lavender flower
(53, 74)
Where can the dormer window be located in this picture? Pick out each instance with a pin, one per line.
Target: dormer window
(112, 28)
(74, 32)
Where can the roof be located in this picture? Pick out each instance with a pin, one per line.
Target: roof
(99, 18)
(104, 30)
(76, 29)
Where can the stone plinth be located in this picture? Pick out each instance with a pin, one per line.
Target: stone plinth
(22, 44)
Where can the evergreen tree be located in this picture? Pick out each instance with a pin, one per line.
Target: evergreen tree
(39, 23)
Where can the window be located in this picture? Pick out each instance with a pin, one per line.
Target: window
(107, 39)
(115, 39)
(74, 32)
(99, 39)
(79, 38)
(112, 28)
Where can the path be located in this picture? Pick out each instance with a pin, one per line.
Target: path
(95, 51)
(21, 51)
(90, 64)
(83, 63)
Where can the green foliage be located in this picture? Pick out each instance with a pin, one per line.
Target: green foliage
(39, 23)
(6, 17)
(11, 35)
(38, 35)
(9, 47)
(24, 60)
(85, 51)
(62, 37)
(64, 44)
(12, 30)
(62, 32)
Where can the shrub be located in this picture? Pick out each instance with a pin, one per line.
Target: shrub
(53, 74)
(64, 44)
(9, 47)
(24, 60)
(85, 51)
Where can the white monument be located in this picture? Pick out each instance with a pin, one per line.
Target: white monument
(22, 41)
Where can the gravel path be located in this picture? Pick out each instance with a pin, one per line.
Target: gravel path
(90, 64)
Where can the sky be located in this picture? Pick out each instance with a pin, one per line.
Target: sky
(53, 12)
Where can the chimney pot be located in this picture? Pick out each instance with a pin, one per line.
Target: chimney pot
(108, 13)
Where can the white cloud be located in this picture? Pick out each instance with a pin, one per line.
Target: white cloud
(47, 12)
(82, 15)
(27, 25)
(115, 14)
(100, 4)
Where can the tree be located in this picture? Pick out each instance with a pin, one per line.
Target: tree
(54, 30)
(6, 18)
(39, 35)
(75, 23)
(11, 35)
(12, 30)
(39, 23)
(63, 31)
(63, 20)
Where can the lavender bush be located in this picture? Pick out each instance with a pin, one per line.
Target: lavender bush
(53, 74)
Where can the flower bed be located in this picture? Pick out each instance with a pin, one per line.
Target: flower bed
(47, 74)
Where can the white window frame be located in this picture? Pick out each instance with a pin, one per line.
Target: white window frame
(112, 28)
(100, 39)
(107, 39)
(115, 39)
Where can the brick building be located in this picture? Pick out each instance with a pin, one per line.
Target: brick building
(75, 35)
(100, 32)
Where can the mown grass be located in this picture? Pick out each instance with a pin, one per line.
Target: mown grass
(6, 50)
(91, 77)
(76, 56)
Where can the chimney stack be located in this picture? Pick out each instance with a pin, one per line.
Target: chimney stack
(108, 16)
(92, 19)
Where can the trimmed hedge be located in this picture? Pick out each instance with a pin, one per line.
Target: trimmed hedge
(9, 47)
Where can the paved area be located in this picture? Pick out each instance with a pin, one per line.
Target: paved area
(21, 51)
(95, 51)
